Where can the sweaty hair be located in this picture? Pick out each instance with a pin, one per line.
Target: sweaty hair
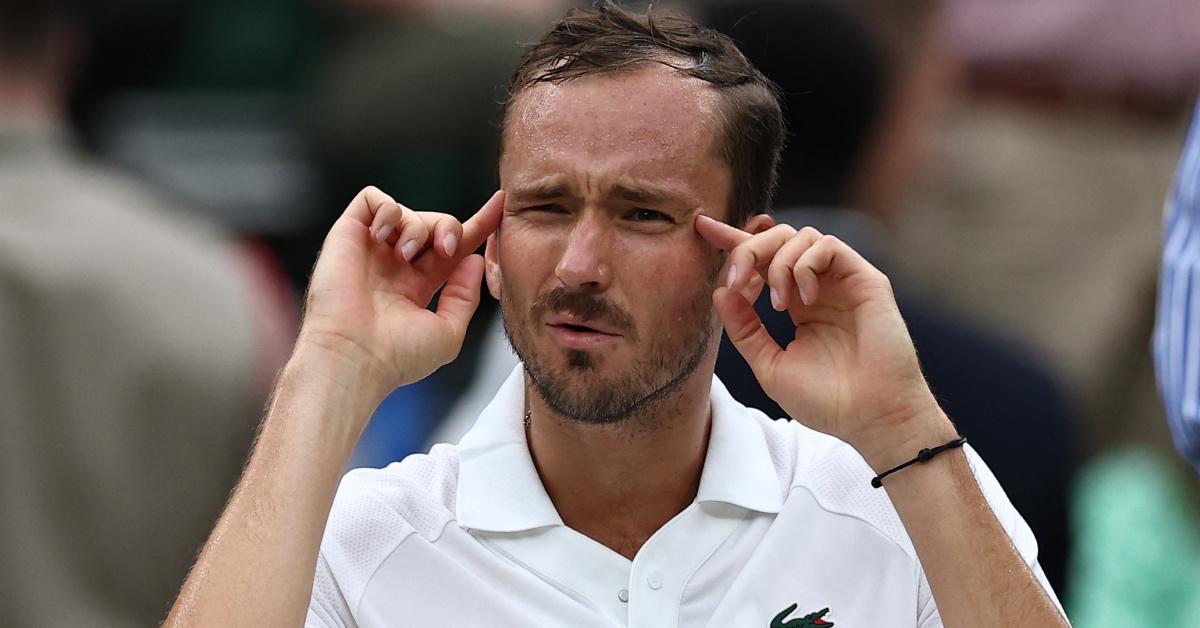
(610, 38)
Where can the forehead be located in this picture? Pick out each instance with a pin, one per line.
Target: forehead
(649, 123)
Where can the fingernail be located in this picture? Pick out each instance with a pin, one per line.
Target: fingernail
(450, 243)
(804, 296)
(774, 298)
(409, 250)
(732, 275)
(383, 233)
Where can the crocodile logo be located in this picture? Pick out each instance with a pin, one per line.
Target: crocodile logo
(811, 619)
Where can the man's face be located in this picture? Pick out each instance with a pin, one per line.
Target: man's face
(604, 285)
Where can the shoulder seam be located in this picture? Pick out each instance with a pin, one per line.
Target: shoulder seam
(911, 554)
(388, 555)
(373, 493)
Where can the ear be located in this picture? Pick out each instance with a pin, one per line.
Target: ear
(491, 267)
(758, 223)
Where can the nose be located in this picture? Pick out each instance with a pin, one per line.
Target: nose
(584, 265)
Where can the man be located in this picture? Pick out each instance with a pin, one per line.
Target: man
(613, 480)
(862, 82)
(137, 347)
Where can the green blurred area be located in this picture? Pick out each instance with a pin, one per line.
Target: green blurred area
(1137, 534)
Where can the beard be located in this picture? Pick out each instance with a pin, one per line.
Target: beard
(579, 392)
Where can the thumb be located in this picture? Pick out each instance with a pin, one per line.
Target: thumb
(746, 330)
(460, 295)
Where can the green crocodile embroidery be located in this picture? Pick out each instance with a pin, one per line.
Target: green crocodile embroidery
(811, 619)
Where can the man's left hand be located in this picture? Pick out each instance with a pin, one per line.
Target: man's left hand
(851, 370)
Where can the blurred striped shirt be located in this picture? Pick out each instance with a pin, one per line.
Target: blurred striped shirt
(1177, 329)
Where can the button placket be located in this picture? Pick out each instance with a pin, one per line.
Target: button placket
(669, 558)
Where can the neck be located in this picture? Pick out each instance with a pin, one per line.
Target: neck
(618, 484)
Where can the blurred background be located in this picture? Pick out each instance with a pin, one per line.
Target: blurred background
(168, 169)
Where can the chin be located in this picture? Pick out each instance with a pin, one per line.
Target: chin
(580, 360)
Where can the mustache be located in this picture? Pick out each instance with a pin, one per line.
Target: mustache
(588, 306)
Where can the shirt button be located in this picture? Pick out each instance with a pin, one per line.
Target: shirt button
(654, 581)
(623, 595)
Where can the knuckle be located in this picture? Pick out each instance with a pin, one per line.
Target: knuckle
(884, 280)
(783, 229)
(446, 222)
(375, 198)
(779, 269)
(412, 222)
(829, 241)
(387, 210)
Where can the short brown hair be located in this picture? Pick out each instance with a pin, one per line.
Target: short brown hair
(610, 38)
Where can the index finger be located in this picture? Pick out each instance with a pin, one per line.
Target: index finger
(719, 234)
(485, 222)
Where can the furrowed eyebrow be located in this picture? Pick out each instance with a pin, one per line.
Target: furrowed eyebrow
(543, 190)
(551, 188)
(639, 193)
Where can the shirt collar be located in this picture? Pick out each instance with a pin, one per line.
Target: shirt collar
(738, 468)
(499, 489)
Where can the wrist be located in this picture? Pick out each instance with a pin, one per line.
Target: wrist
(321, 398)
(343, 360)
(904, 436)
(340, 368)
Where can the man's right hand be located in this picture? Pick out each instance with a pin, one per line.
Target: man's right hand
(379, 268)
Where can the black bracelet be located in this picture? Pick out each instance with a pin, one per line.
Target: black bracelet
(925, 455)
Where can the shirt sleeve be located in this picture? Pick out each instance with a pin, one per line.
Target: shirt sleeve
(327, 608)
(1177, 323)
(1012, 522)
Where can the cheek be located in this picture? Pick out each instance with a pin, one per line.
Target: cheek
(669, 282)
(527, 261)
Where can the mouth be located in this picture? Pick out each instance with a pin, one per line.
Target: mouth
(579, 333)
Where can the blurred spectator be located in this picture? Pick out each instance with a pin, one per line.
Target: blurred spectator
(863, 81)
(1177, 332)
(137, 344)
(1043, 217)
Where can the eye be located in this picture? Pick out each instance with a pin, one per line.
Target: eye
(648, 215)
(550, 208)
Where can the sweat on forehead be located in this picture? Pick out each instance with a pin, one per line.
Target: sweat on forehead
(649, 104)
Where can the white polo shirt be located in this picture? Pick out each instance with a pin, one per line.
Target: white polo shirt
(785, 519)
